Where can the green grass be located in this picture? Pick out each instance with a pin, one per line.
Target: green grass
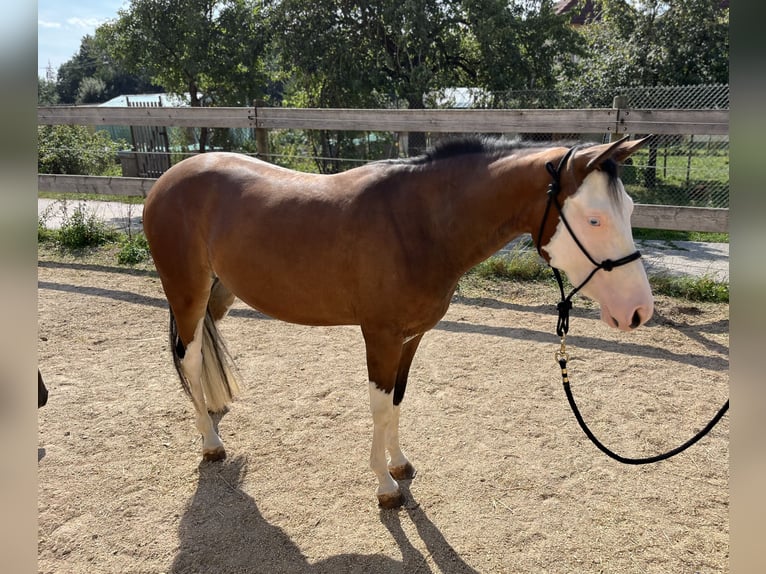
(82, 232)
(130, 199)
(669, 235)
(518, 265)
(525, 265)
(78, 230)
(702, 289)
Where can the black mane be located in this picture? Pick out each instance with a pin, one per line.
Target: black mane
(458, 146)
(454, 147)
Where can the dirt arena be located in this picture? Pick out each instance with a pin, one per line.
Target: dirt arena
(506, 480)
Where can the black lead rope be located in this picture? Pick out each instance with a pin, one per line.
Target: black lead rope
(562, 326)
(561, 357)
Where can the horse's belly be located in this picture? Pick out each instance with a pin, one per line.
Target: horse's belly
(299, 301)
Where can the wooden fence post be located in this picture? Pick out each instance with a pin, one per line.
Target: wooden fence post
(261, 134)
(618, 103)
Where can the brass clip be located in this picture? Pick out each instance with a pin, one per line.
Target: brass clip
(561, 354)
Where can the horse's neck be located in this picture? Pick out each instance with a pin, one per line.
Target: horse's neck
(491, 207)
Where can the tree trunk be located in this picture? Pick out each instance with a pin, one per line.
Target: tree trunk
(197, 103)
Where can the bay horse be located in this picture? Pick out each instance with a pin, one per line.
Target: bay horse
(381, 246)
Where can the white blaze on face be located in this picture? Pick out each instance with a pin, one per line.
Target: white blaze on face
(603, 227)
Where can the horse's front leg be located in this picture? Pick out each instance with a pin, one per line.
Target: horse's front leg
(384, 352)
(399, 466)
(382, 408)
(387, 358)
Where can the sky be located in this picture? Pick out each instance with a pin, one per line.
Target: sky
(61, 26)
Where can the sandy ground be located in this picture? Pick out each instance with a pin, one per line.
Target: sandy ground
(506, 480)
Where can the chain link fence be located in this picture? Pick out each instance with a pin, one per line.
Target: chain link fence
(684, 170)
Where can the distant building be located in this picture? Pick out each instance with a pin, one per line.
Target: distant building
(149, 155)
(588, 12)
(144, 100)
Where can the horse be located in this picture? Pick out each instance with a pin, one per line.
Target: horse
(381, 246)
(42, 391)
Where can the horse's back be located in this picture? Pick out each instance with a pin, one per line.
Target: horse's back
(282, 241)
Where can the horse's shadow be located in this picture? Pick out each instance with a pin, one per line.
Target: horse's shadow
(222, 530)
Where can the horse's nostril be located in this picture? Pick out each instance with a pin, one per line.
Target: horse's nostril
(636, 320)
(616, 322)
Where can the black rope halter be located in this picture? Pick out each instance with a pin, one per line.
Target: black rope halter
(565, 305)
(562, 327)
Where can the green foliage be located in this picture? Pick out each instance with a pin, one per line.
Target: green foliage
(133, 250)
(75, 150)
(640, 233)
(650, 43)
(703, 289)
(391, 52)
(91, 91)
(519, 265)
(82, 230)
(94, 60)
(46, 92)
(78, 230)
(44, 234)
(212, 50)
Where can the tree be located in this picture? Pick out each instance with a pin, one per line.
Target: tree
(522, 45)
(210, 50)
(365, 54)
(694, 36)
(93, 60)
(651, 43)
(91, 91)
(349, 53)
(46, 89)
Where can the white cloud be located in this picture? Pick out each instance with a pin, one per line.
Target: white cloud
(44, 24)
(84, 22)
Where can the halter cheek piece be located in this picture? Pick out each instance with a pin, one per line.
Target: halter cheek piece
(565, 305)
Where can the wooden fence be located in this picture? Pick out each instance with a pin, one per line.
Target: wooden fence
(612, 121)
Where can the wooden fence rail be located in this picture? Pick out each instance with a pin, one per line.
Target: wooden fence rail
(615, 121)
(597, 120)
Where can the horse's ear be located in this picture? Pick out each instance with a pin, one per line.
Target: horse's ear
(618, 151)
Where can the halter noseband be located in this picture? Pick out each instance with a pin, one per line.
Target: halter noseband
(565, 305)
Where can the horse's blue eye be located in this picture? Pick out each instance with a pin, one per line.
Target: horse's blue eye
(594, 221)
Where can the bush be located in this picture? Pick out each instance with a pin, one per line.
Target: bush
(702, 289)
(133, 250)
(83, 229)
(521, 264)
(76, 151)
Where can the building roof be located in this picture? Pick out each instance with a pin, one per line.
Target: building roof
(579, 17)
(164, 100)
(589, 11)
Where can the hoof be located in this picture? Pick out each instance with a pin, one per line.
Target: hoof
(403, 472)
(214, 455)
(391, 500)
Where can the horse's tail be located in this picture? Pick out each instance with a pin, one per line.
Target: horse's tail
(217, 377)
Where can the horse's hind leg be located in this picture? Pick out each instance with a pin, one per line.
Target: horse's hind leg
(191, 366)
(194, 359)
(220, 300)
